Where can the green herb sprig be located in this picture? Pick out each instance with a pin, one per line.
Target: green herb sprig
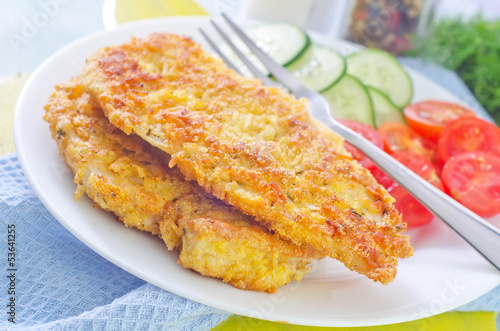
(472, 49)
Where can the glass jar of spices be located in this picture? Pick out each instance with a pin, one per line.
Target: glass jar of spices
(390, 25)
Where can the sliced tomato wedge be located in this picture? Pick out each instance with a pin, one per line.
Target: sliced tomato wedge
(369, 134)
(421, 166)
(400, 137)
(428, 118)
(473, 179)
(382, 178)
(414, 213)
(468, 134)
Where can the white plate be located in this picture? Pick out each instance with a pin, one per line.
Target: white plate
(444, 273)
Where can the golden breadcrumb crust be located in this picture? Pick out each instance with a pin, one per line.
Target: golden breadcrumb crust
(125, 175)
(254, 147)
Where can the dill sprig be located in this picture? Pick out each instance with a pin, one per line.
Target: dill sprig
(472, 49)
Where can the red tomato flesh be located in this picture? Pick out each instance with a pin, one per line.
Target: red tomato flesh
(400, 137)
(473, 179)
(414, 213)
(428, 118)
(369, 134)
(468, 134)
(421, 166)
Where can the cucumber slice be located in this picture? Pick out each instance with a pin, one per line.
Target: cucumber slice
(318, 68)
(283, 42)
(383, 109)
(382, 71)
(349, 100)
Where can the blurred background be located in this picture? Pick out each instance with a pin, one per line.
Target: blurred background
(32, 30)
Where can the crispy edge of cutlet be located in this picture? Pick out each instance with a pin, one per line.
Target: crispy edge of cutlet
(166, 89)
(130, 178)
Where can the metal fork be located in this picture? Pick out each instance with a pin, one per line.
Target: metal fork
(481, 235)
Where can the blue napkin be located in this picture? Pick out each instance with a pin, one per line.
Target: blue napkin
(60, 284)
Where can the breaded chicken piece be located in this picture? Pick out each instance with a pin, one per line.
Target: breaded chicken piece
(220, 242)
(254, 147)
(125, 175)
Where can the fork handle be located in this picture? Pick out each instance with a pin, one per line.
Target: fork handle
(484, 237)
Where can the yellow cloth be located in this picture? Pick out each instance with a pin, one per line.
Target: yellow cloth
(456, 321)
(132, 10)
(10, 87)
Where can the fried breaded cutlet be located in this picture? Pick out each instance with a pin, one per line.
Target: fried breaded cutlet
(254, 147)
(125, 175)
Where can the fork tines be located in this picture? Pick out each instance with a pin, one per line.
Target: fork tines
(273, 67)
